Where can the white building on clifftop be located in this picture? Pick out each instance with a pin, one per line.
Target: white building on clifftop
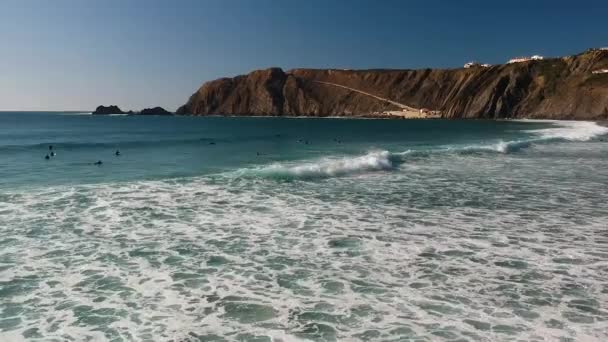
(476, 64)
(525, 59)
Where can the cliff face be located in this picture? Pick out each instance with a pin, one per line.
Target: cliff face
(559, 88)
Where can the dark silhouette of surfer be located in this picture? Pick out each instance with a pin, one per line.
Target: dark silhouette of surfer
(97, 162)
(117, 153)
(47, 157)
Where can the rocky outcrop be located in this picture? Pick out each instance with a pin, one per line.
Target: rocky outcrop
(556, 88)
(154, 111)
(103, 110)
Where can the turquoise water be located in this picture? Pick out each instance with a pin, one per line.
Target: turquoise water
(273, 229)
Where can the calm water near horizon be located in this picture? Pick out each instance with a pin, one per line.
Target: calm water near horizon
(301, 229)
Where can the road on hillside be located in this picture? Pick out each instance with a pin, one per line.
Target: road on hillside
(400, 105)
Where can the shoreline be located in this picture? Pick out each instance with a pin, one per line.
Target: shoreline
(603, 122)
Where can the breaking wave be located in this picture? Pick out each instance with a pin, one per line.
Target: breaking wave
(385, 160)
(327, 167)
(570, 130)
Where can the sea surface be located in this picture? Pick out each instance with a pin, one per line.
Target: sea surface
(276, 229)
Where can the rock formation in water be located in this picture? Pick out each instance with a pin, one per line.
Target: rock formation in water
(103, 110)
(154, 111)
(555, 88)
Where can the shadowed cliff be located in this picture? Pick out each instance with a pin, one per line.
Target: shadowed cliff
(557, 88)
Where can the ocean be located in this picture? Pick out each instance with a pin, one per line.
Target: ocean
(288, 229)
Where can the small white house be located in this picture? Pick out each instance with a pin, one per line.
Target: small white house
(525, 59)
(486, 65)
(600, 71)
(518, 60)
(470, 65)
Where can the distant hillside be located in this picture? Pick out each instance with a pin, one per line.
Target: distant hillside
(556, 88)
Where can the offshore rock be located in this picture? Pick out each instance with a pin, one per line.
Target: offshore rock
(112, 109)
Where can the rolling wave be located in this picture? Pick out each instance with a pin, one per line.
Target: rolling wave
(375, 161)
(327, 167)
(570, 130)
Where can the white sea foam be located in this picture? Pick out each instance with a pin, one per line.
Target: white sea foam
(326, 167)
(410, 255)
(562, 130)
(453, 247)
(499, 147)
(385, 160)
(570, 130)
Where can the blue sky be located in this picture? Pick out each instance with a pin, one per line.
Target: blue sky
(74, 55)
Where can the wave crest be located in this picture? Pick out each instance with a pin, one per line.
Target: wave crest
(327, 167)
(386, 161)
(572, 131)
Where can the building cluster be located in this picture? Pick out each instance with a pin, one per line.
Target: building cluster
(525, 59)
(476, 64)
(533, 58)
(428, 113)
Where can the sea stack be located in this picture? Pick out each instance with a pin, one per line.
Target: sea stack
(112, 109)
(155, 111)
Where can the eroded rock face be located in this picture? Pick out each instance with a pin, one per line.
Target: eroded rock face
(558, 88)
(112, 109)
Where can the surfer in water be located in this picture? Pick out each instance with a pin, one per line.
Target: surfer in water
(47, 157)
(117, 153)
(97, 162)
(53, 153)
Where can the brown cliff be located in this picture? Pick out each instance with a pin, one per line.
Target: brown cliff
(557, 88)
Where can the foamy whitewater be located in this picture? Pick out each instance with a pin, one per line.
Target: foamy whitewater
(262, 229)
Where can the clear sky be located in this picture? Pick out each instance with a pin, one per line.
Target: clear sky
(77, 54)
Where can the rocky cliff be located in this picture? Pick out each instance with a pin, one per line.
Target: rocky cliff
(557, 88)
